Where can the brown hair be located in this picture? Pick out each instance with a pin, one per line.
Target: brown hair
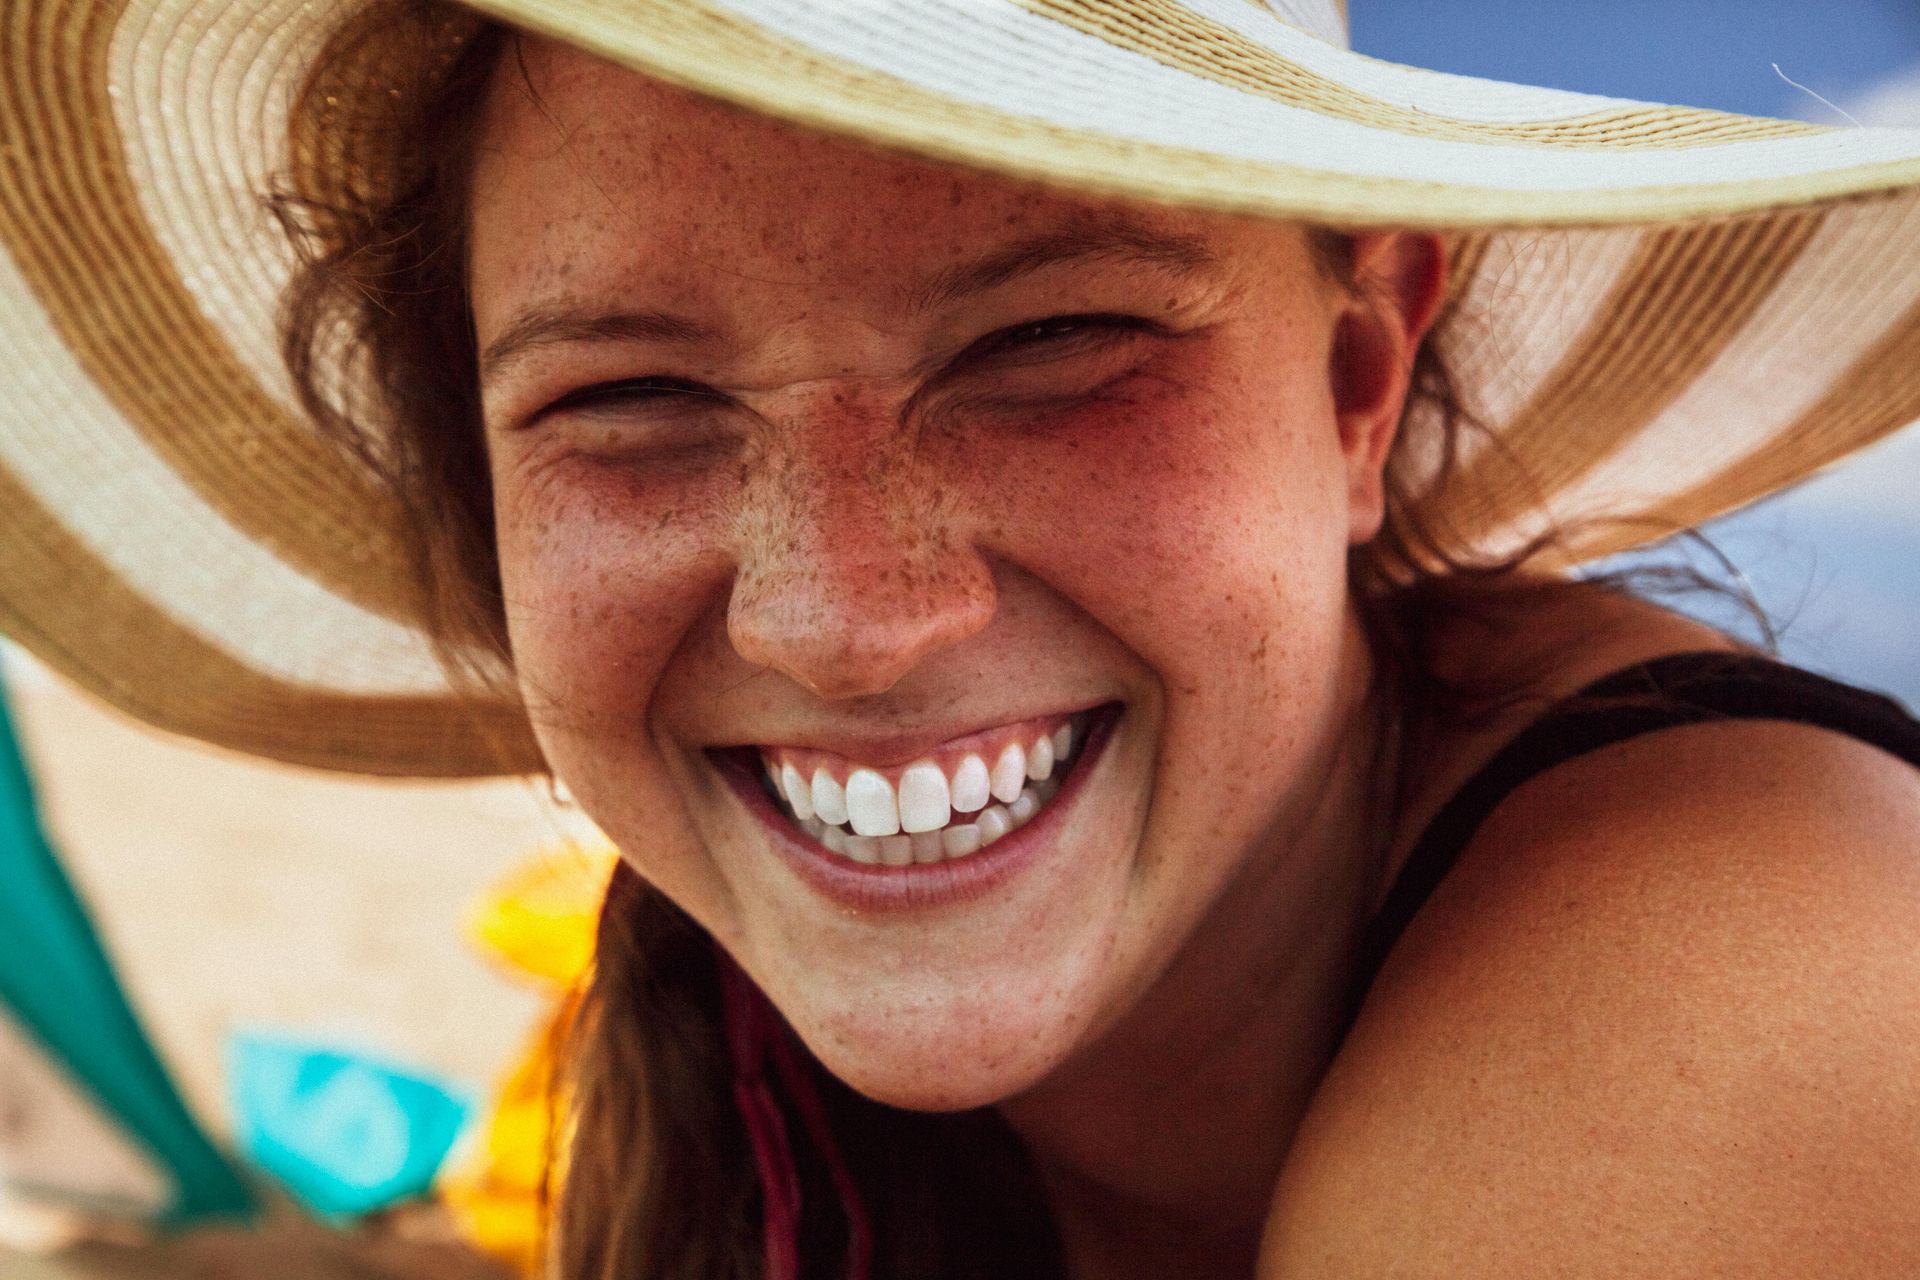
(659, 1180)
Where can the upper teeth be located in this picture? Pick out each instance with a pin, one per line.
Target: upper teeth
(872, 808)
(926, 800)
(912, 816)
(1009, 772)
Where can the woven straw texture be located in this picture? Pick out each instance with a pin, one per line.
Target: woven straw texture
(1664, 312)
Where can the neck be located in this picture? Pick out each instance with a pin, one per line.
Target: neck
(1160, 1146)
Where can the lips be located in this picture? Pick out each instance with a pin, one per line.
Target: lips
(945, 806)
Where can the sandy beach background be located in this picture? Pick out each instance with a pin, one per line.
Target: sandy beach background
(233, 893)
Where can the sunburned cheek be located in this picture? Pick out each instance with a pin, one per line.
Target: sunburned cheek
(1210, 542)
(1177, 495)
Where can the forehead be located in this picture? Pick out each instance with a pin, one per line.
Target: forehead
(587, 169)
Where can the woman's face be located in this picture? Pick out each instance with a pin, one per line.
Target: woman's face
(819, 460)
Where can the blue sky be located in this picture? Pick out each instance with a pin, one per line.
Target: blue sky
(1707, 55)
(1836, 561)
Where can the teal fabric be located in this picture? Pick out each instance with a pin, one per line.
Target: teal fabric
(346, 1133)
(59, 983)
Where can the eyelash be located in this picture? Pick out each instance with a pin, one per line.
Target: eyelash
(629, 389)
(1053, 328)
(1002, 342)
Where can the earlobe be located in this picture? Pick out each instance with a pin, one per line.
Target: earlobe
(1399, 281)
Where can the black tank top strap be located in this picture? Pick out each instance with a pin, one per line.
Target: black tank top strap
(1680, 689)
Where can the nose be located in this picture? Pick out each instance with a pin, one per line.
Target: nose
(854, 569)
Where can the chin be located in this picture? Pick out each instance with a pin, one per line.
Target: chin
(942, 1075)
(944, 1046)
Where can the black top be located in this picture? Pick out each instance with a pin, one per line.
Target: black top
(1684, 688)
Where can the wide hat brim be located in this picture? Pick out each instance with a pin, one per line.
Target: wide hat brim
(1662, 312)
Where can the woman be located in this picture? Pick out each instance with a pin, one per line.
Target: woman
(1032, 611)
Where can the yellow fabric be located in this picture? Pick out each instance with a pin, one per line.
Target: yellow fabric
(538, 919)
(538, 923)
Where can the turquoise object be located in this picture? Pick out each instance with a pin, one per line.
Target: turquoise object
(59, 987)
(345, 1133)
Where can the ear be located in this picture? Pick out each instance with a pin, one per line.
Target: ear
(1399, 281)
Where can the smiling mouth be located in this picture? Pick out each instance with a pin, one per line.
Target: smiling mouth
(944, 807)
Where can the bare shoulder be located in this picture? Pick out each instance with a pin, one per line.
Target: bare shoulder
(1528, 646)
(1662, 1019)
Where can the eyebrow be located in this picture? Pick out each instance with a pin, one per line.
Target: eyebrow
(553, 325)
(1118, 240)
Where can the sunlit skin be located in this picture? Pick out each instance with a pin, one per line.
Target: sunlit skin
(852, 509)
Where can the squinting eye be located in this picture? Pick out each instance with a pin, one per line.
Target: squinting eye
(631, 392)
(1037, 336)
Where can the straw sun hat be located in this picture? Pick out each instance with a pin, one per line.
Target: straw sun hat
(1664, 312)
